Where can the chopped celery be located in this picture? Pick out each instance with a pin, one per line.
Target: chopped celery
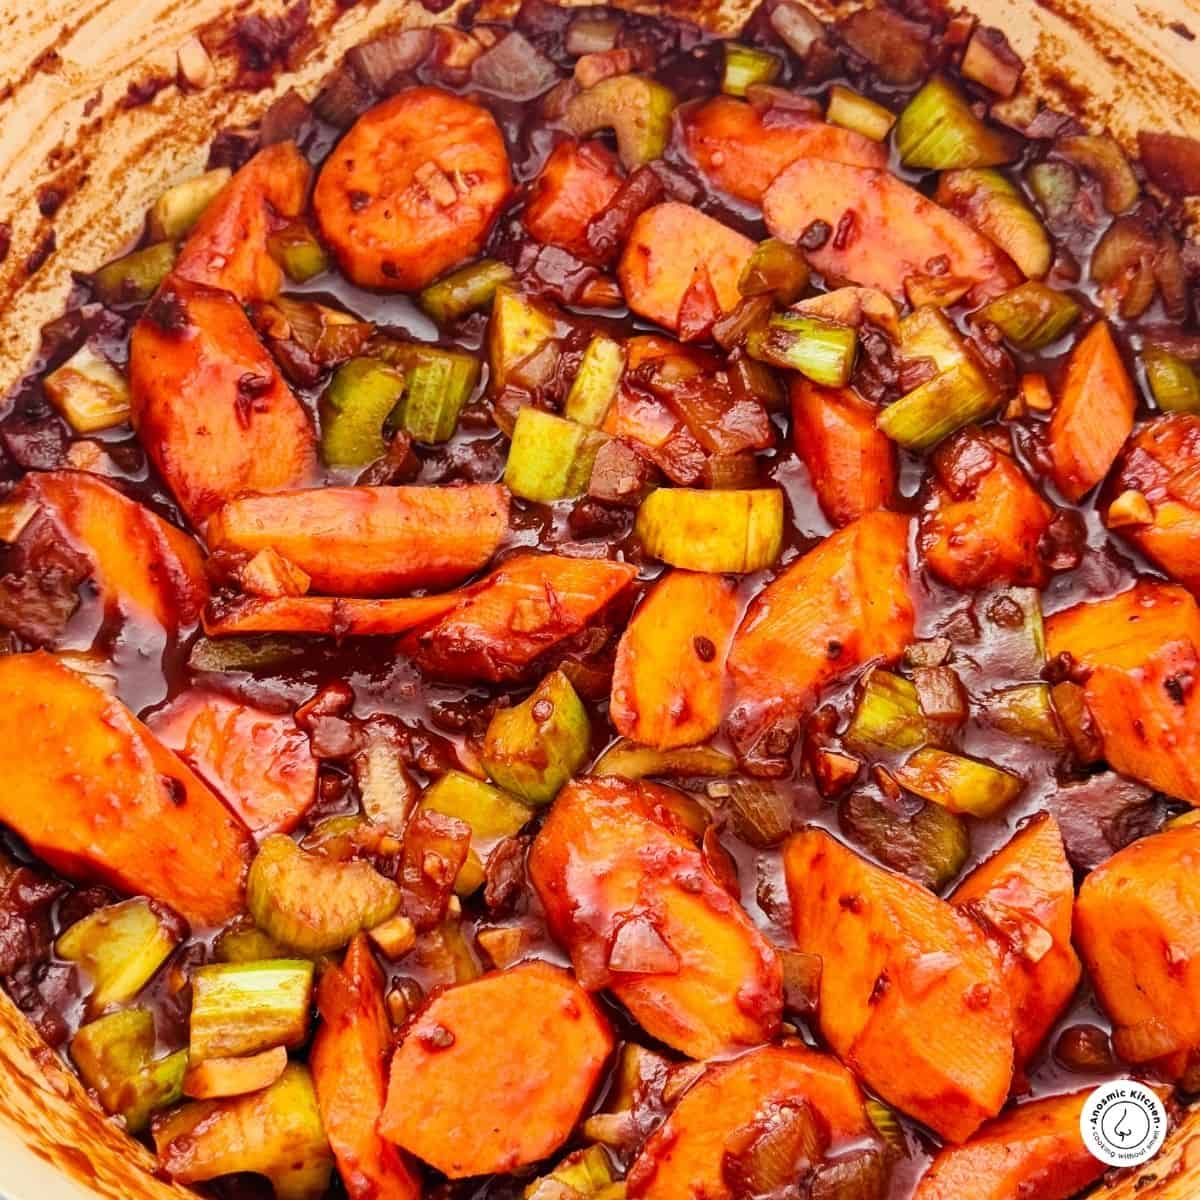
(1173, 383)
(734, 531)
(215, 1078)
(296, 249)
(242, 1008)
(276, 1132)
(938, 130)
(114, 1056)
(822, 350)
(852, 111)
(550, 457)
(135, 277)
(246, 946)
(775, 269)
(631, 761)
(888, 714)
(986, 200)
(584, 1174)
(638, 110)
(1027, 712)
(1033, 315)
(931, 846)
(360, 398)
(386, 789)
(533, 748)
(957, 783)
(927, 333)
(120, 947)
(437, 383)
(312, 904)
(465, 290)
(595, 384)
(89, 391)
(746, 66)
(177, 210)
(1054, 185)
(517, 329)
(244, 653)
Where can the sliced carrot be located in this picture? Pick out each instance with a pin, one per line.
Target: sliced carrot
(1137, 925)
(259, 762)
(228, 247)
(668, 247)
(519, 612)
(1094, 414)
(1142, 649)
(851, 462)
(881, 230)
(670, 667)
(1022, 899)
(983, 520)
(331, 616)
(97, 796)
(911, 998)
(141, 566)
(628, 891)
(842, 604)
(209, 404)
(576, 184)
(412, 189)
(349, 1062)
(741, 153)
(371, 541)
(684, 1157)
(495, 1073)
(1035, 1149)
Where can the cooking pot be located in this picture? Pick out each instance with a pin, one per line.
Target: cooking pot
(105, 103)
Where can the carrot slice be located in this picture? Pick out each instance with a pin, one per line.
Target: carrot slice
(670, 667)
(371, 541)
(495, 1073)
(912, 998)
(741, 154)
(842, 604)
(1094, 414)
(412, 188)
(576, 184)
(519, 612)
(331, 616)
(684, 1157)
(348, 1063)
(1022, 898)
(209, 404)
(142, 567)
(670, 247)
(851, 462)
(1137, 925)
(97, 796)
(1142, 649)
(629, 893)
(983, 520)
(259, 762)
(1036, 1149)
(882, 230)
(228, 247)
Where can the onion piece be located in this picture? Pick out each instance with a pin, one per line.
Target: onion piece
(990, 60)
(343, 99)
(784, 1141)
(761, 814)
(1102, 157)
(893, 44)
(515, 68)
(801, 980)
(1123, 263)
(796, 27)
(1172, 161)
(379, 61)
(592, 35)
(639, 949)
(860, 1175)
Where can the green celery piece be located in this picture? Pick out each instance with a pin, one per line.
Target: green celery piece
(938, 130)
(1032, 315)
(732, 531)
(135, 277)
(242, 1008)
(550, 457)
(631, 761)
(595, 385)
(637, 109)
(746, 66)
(360, 398)
(1173, 382)
(437, 383)
(820, 349)
(177, 210)
(852, 111)
(888, 714)
(296, 249)
(958, 783)
(465, 290)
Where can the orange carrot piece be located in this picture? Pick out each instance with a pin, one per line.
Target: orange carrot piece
(912, 998)
(670, 666)
(851, 462)
(1094, 414)
(371, 541)
(729, 141)
(1022, 898)
(494, 1074)
(209, 404)
(883, 230)
(1035, 1149)
(330, 616)
(1137, 926)
(669, 245)
(842, 604)
(576, 184)
(97, 796)
(1142, 649)
(228, 247)
(348, 1062)
(141, 566)
(983, 520)
(412, 189)
(628, 891)
(684, 1157)
(259, 762)
(521, 610)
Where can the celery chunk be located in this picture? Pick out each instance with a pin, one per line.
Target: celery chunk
(296, 249)
(550, 457)
(986, 200)
(888, 714)
(638, 110)
(89, 391)
(775, 269)
(177, 210)
(595, 385)
(242, 1008)
(745, 66)
(734, 530)
(852, 111)
(1033, 315)
(437, 383)
(959, 784)
(135, 277)
(823, 350)
(938, 130)
(931, 846)
(1173, 383)
(360, 398)
(518, 328)
(465, 290)
(586, 1174)
(1027, 712)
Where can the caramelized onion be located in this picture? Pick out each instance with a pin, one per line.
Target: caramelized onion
(796, 27)
(861, 1175)
(1172, 161)
(592, 34)
(801, 981)
(895, 46)
(782, 1143)
(639, 949)
(761, 815)
(1103, 158)
(515, 68)
(379, 61)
